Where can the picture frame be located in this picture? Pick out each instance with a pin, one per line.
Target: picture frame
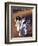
(37, 23)
(20, 22)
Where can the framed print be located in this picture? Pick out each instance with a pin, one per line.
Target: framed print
(20, 22)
